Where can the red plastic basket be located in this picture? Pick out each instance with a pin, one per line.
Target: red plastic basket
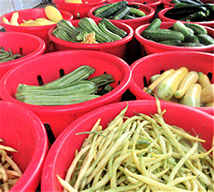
(63, 150)
(167, 3)
(150, 3)
(78, 10)
(151, 47)
(48, 68)
(26, 14)
(117, 48)
(134, 23)
(161, 15)
(22, 130)
(15, 40)
(153, 64)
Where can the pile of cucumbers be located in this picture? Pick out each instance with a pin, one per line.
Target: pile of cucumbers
(119, 10)
(191, 10)
(180, 34)
(104, 31)
(74, 87)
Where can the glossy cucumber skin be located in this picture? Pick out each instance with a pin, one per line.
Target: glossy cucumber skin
(162, 34)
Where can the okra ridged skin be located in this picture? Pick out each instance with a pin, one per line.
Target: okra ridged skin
(56, 100)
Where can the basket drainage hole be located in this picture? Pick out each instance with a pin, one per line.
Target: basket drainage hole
(210, 75)
(104, 72)
(145, 82)
(161, 71)
(61, 72)
(50, 134)
(118, 83)
(39, 79)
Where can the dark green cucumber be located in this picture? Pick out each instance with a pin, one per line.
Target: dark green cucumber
(198, 29)
(81, 73)
(76, 88)
(137, 12)
(192, 38)
(189, 44)
(110, 10)
(155, 24)
(111, 35)
(205, 39)
(162, 34)
(174, 42)
(110, 26)
(55, 99)
(121, 13)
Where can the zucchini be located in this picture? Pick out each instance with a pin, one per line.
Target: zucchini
(89, 25)
(162, 34)
(101, 9)
(166, 88)
(121, 13)
(82, 72)
(110, 26)
(61, 34)
(75, 88)
(198, 29)
(192, 96)
(55, 99)
(111, 35)
(197, 16)
(102, 80)
(203, 80)
(70, 30)
(137, 12)
(110, 10)
(205, 39)
(155, 24)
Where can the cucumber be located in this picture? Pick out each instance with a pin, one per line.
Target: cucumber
(162, 34)
(174, 42)
(121, 13)
(129, 17)
(190, 44)
(110, 10)
(192, 38)
(137, 12)
(155, 24)
(198, 29)
(205, 39)
(179, 26)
